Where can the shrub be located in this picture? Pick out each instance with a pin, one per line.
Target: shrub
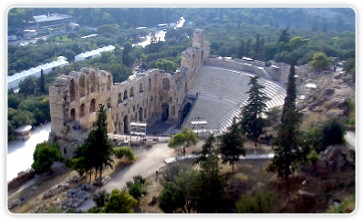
(124, 151)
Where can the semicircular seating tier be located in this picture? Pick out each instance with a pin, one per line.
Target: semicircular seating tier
(222, 92)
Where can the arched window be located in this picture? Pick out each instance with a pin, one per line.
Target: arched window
(92, 107)
(149, 84)
(109, 103)
(82, 86)
(81, 110)
(93, 82)
(131, 92)
(173, 111)
(72, 90)
(109, 82)
(166, 84)
(119, 97)
(141, 88)
(73, 114)
(125, 95)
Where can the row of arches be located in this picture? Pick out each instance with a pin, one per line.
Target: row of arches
(82, 110)
(83, 88)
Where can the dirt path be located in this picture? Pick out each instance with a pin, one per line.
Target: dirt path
(148, 161)
(146, 165)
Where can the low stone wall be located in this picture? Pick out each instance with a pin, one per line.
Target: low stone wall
(22, 178)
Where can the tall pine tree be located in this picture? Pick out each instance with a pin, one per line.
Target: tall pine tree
(231, 144)
(97, 150)
(286, 149)
(252, 122)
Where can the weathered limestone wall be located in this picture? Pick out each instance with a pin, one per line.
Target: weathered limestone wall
(144, 97)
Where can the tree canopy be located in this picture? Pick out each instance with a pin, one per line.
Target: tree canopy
(185, 138)
(231, 144)
(252, 122)
(44, 156)
(286, 150)
(96, 151)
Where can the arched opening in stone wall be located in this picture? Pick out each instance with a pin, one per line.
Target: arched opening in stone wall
(136, 118)
(109, 103)
(131, 91)
(186, 87)
(166, 84)
(173, 111)
(126, 125)
(125, 95)
(93, 82)
(72, 90)
(186, 110)
(109, 82)
(141, 88)
(119, 99)
(149, 84)
(82, 86)
(92, 106)
(119, 127)
(141, 114)
(81, 110)
(165, 113)
(73, 114)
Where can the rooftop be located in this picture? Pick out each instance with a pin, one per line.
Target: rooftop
(50, 17)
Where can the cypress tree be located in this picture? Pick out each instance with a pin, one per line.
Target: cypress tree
(286, 149)
(42, 84)
(252, 122)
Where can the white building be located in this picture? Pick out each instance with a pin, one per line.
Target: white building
(94, 53)
(14, 80)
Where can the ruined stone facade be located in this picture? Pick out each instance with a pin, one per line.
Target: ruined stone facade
(145, 97)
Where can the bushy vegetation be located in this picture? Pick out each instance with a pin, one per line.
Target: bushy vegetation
(259, 202)
(124, 151)
(44, 156)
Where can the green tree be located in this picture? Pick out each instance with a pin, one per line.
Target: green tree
(259, 202)
(137, 188)
(166, 65)
(99, 142)
(320, 61)
(286, 150)
(298, 42)
(126, 59)
(96, 151)
(18, 118)
(349, 67)
(252, 122)
(124, 151)
(207, 149)
(210, 178)
(44, 156)
(332, 133)
(101, 198)
(283, 40)
(120, 201)
(178, 194)
(42, 83)
(185, 138)
(231, 144)
(29, 86)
